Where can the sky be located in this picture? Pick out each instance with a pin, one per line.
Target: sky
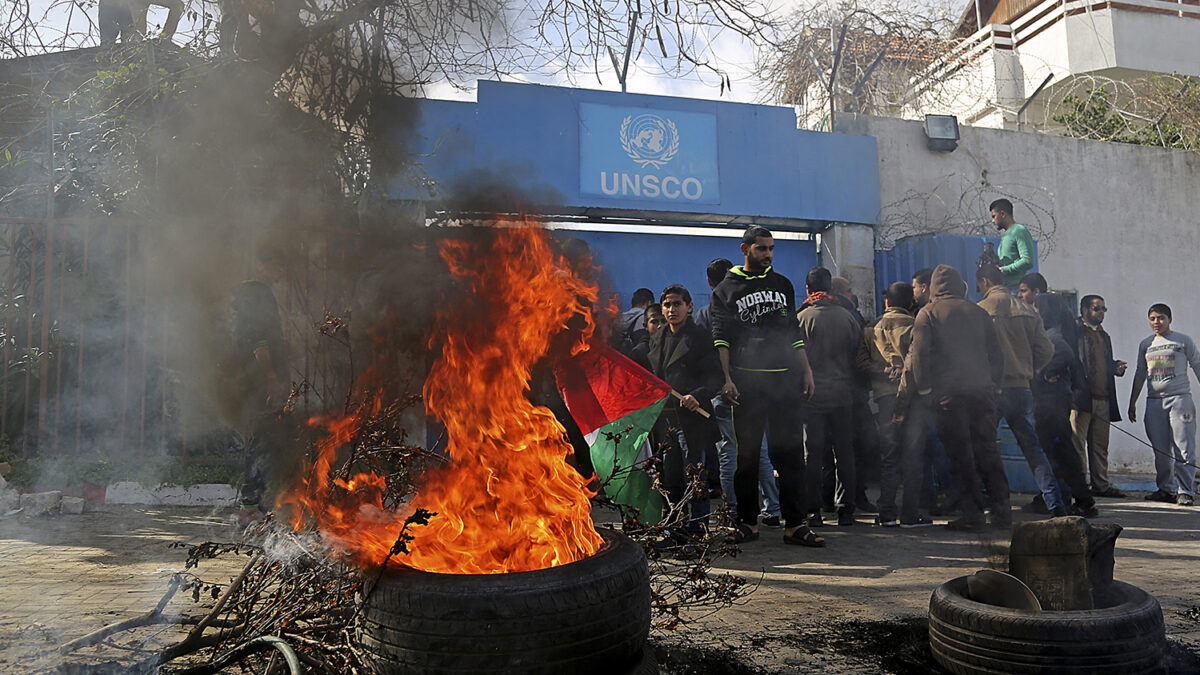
(732, 52)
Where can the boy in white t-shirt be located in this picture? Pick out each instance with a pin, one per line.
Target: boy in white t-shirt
(1162, 362)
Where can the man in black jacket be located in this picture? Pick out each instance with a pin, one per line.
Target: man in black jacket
(682, 355)
(832, 335)
(766, 373)
(1094, 406)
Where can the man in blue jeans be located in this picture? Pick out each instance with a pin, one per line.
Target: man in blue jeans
(1026, 349)
(727, 458)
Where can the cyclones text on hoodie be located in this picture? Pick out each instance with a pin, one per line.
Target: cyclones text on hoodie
(754, 316)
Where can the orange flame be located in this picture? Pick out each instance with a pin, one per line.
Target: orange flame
(506, 501)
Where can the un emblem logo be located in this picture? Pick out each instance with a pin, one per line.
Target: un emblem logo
(649, 139)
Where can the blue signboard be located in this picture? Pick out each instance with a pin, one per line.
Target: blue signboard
(657, 155)
(601, 155)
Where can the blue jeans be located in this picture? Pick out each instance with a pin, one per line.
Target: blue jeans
(1016, 407)
(727, 457)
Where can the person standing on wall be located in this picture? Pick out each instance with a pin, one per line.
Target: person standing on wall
(766, 375)
(1016, 244)
(1094, 406)
(1162, 361)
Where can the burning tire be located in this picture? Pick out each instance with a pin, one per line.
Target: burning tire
(1126, 635)
(590, 616)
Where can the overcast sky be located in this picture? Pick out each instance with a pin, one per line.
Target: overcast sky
(732, 53)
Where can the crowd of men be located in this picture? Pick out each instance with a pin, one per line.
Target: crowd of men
(775, 394)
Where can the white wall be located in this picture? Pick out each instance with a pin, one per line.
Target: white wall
(1119, 220)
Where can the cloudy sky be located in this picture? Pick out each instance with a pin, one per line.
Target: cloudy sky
(733, 54)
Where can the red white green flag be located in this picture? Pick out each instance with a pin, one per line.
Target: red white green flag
(615, 402)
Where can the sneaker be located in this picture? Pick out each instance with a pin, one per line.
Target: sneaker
(886, 521)
(1161, 496)
(771, 521)
(1184, 500)
(919, 521)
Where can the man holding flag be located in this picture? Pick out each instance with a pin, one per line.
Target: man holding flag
(762, 359)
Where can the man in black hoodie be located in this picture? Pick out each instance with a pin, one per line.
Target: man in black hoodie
(955, 357)
(766, 373)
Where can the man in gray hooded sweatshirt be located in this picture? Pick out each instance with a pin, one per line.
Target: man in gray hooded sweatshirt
(955, 358)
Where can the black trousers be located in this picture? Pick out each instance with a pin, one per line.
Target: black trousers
(1054, 431)
(821, 428)
(681, 456)
(116, 21)
(967, 426)
(769, 401)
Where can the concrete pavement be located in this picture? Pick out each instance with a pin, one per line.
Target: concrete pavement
(843, 608)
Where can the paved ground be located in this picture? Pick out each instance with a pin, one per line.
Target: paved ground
(62, 578)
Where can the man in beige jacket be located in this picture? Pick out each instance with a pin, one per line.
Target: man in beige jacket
(1026, 349)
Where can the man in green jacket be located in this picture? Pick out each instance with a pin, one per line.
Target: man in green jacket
(1016, 244)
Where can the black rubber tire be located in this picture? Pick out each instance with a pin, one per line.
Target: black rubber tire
(1127, 636)
(590, 616)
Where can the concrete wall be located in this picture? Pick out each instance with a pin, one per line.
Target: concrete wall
(1114, 219)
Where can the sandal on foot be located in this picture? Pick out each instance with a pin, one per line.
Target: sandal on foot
(804, 537)
(742, 534)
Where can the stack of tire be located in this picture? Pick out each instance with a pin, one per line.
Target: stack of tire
(587, 617)
(1124, 635)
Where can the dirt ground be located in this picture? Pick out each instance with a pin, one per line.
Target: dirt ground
(857, 606)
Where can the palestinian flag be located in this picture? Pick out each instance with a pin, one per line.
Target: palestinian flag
(615, 402)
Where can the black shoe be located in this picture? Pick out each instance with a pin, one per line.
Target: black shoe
(1038, 505)
(919, 521)
(864, 505)
(771, 521)
(1112, 491)
(1059, 512)
(963, 525)
(1088, 512)
(1160, 496)
(1184, 500)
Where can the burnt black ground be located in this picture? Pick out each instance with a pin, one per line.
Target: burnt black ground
(894, 647)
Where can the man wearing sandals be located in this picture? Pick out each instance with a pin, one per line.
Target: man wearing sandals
(766, 373)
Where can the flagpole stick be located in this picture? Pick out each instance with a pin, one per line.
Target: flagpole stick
(703, 413)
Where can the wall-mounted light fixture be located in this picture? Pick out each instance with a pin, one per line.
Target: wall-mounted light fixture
(941, 132)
